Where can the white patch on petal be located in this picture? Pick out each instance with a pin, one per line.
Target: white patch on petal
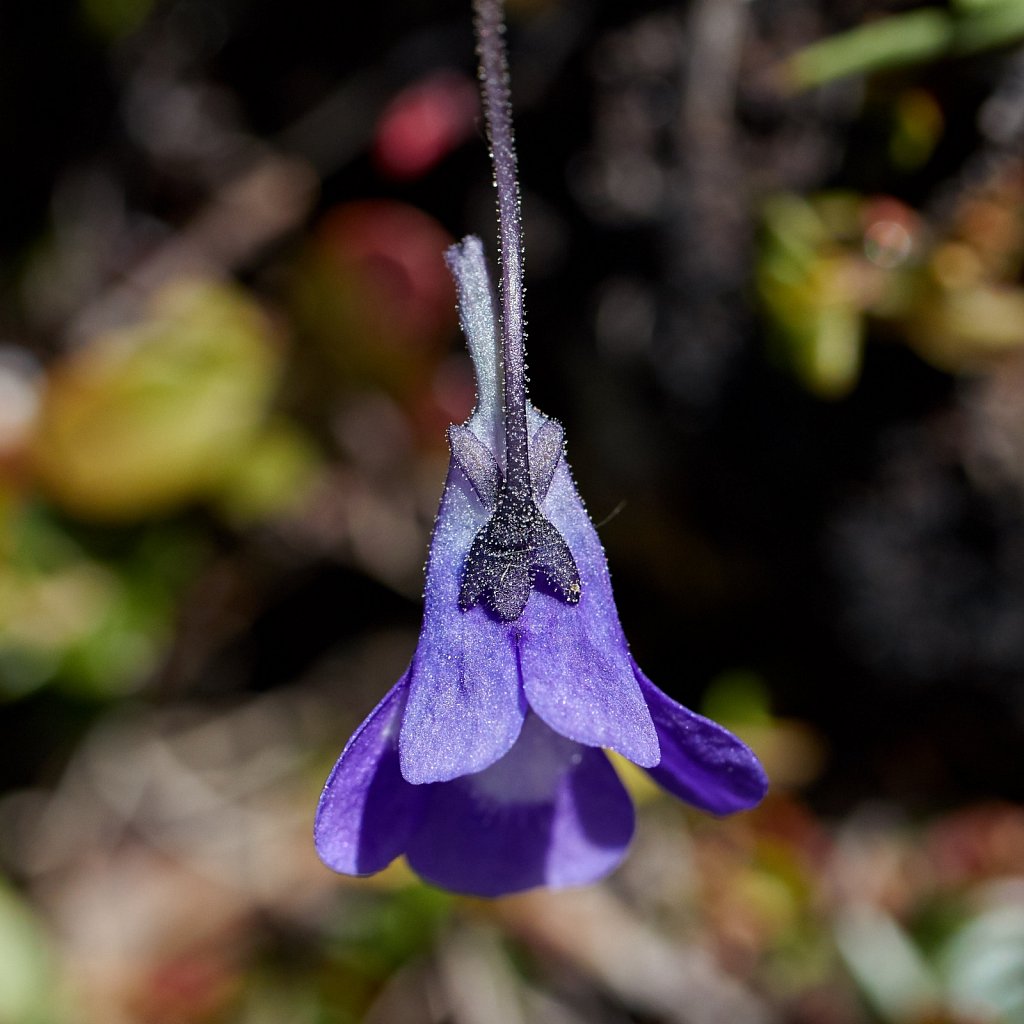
(531, 772)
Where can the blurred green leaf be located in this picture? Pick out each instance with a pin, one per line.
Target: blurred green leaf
(277, 472)
(115, 18)
(379, 932)
(992, 24)
(740, 697)
(390, 928)
(983, 965)
(889, 43)
(908, 38)
(807, 287)
(93, 625)
(963, 329)
(147, 418)
(917, 128)
(28, 986)
(888, 968)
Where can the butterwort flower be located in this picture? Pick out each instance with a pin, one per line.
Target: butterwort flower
(484, 764)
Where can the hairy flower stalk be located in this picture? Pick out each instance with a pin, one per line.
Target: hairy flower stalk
(517, 545)
(484, 764)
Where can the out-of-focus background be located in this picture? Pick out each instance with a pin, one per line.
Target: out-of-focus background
(775, 293)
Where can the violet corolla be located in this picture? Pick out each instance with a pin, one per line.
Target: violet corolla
(484, 764)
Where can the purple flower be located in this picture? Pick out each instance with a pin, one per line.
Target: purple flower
(483, 765)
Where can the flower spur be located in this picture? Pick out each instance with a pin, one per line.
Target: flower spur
(483, 764)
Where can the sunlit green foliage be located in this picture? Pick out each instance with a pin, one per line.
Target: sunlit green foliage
(909, 38)
(147, 417)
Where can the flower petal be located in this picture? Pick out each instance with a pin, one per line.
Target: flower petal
(549, 813)
(546, 447)
(367, 811)
(478, 316)
(465, 704)
(475, 460)
(577, 673)
(701, 762)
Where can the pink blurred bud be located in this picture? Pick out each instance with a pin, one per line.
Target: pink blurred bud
(424, 123)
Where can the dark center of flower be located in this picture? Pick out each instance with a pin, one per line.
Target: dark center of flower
(514, 550)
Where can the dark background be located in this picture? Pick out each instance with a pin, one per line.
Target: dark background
(829, 558)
